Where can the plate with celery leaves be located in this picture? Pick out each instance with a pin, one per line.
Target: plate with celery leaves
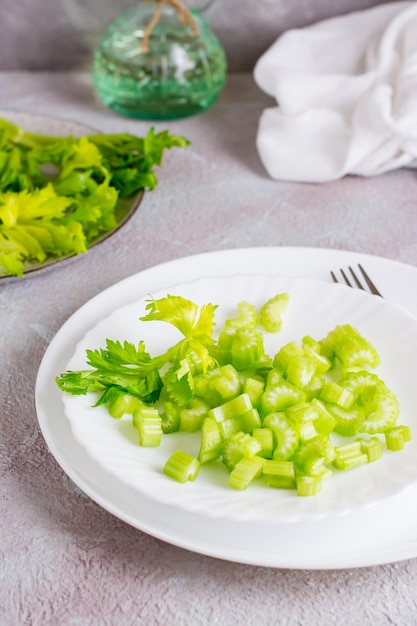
(65, 187)
(250, 397)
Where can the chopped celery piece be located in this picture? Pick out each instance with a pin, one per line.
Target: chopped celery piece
(182, 467)
(266, 439)
(320, 471)
(254, 388)
(192, 417)
(249, 420)
(229, 427)
(309, 342)
(349, 455)
(349, 422)
(122, 404)
(314, 387)
(238, 446)
(271, 312)
(247, 348)
(384, 414)
(300, 371)
(306, 431)
(312, 350)
(286, 438)
(280, 398)
(325, 423)
(336, 394)
(225, 339)
(280, 474)
(232, 408)
(319, 447)
(309, 460)
(221, 350)
(286, 353)
(211, 441)
(303, 412)
(280, 482)
(245, 471)
(364, 385)
(265, 362)
(351, 349)
(192, 363)
(203, 389)
(308, 485)
(226, 382)
(397, 437)
(274, 378)
(372, 448)
(247, 317)
(170, 418)
(148, 423)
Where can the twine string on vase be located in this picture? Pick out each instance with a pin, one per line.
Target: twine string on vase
(185, 17)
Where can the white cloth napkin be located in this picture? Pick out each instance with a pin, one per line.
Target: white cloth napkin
(346, 90)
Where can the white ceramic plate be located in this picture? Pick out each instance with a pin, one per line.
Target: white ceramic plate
(54, 126)
(385, 533)
(315, 307)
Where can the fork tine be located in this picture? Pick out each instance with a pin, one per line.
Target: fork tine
(345, 278)
(356, 279)
(369, 282)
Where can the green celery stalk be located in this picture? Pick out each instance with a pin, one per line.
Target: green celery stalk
(226, 382)
(232, 408)
(254, 388)
(301, 370)
(266, 439)
(182, 467)
(170, 418)
(192, 417)
(384, 411)
(238, 446)
(372, 448)
(280, 474)
(271, 315)
(249, 420)
(397, 437)
(245, 471)
(349, 455)
(336, 394)
(247, 348)
(308, 485)
(286, 438)
(211, 441)
(247, 317)
(147, 422)
(228, 427)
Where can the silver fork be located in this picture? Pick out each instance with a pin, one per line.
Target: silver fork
(357, 281)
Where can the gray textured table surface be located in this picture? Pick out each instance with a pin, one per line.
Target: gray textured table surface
(66, 561)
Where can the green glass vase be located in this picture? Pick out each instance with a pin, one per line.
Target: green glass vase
(182, 72)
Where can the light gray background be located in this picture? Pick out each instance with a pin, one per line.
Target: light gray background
(65, 561)
(61, 34)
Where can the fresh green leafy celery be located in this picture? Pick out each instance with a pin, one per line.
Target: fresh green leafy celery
(277, 419)
(126, 367)
(117, 368)
(74, 188)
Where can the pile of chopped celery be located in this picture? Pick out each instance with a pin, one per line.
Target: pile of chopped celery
(290, 420)
(59, 194)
